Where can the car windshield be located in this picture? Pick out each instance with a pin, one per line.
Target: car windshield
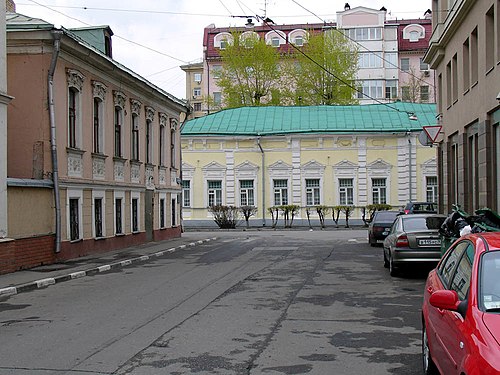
(411, 224)
(490, 281)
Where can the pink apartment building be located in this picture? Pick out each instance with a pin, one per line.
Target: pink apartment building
(93, 149)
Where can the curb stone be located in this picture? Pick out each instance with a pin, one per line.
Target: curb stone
(44, 283)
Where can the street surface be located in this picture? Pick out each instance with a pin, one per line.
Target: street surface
(256, 302)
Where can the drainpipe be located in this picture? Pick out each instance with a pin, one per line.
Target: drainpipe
(56, 34)
(410, 182)
(263, 184)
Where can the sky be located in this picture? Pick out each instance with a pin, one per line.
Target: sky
(155, 37)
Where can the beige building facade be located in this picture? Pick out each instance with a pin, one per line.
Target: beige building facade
(93, 149)
(465, 54)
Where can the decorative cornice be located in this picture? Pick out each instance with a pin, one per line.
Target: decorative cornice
(173, 124)
(75, 79)
(99, 90)
(150, 113)
(135, 106)
(119, 98)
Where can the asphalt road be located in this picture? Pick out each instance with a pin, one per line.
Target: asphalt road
(270, 302)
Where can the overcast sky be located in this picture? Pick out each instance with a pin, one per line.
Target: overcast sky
(169, 33)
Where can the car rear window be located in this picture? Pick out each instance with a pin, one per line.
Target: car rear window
(388, 215)
(414, 223)
(424, 207)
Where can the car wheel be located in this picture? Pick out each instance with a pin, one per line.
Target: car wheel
(386, 262)
(393, 271)
(428, 364)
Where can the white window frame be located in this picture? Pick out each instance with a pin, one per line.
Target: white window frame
(246, 189)
(310, 191)
(74, 194)
(405, 59)
(189, 191)
(197, 77)
(216, 192)
(345, 190)
(280, 190)
(431, 189)
(135, 195)
(75, 82)
(119, 195)
(378, 188)
(99, 194)
(196, 92)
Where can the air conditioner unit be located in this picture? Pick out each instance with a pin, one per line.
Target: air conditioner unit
(427, 73)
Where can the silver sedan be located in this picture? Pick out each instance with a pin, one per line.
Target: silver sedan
(413, 239)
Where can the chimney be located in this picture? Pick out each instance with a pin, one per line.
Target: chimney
(347, 6)
(10, 6)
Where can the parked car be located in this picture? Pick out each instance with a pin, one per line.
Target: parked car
(461, 309)
(413, 239)
(420, 208)
(380, 226)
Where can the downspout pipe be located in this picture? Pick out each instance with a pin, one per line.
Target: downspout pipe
(263, 164)
(56, 34)
(410, 167)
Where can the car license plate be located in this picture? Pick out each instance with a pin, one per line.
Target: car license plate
(429, 242)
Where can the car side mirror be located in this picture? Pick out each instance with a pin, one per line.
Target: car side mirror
(445, 299)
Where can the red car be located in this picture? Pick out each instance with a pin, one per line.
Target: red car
(461, 309)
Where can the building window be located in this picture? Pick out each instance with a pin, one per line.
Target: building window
(474, 55)
(405, 64)
(391, 89)
(162, 213)
(223, 44)
(74, 219)
(346, 191)
(135, 214)
(312, 192)
(423, 66)
(275, 41)
(118, 131)
(216, 71)
(246, 193)
(186, 193)
(217, 98)
(73, 114)
(149, 142)
(161, 147)
(414, 36)
(197, 107)
(472, 172)
(370, 60)
(214, 193)
(197, 77)
(118, 216)
(196, 92)
(174, 212)
(135, 137)
(98, 217)
(379, 191)
(405, 93)
(466, 65)
(431, 183)
(391, 60)
(424, 94)
(172, 148)
(370, 89)
(490, 38)
(454, 71)
(97, 125)
(299, 41)
(364, 33)
(280, 192)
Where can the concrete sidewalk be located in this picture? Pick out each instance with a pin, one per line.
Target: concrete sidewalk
(44, 276)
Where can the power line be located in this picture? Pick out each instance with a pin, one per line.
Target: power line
(117, 36)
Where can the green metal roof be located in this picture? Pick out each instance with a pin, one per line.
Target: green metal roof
(370, 118)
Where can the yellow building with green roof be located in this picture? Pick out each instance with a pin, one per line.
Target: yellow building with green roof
(307, 156)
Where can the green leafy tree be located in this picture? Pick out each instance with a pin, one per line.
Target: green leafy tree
(324, 74)
(250, 73)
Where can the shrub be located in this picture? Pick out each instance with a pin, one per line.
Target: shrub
(226, 217)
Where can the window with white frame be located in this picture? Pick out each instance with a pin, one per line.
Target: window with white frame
(246, 193)
(224, 43)
(346, 191)
(216, 71)
(370, 60)
(149, 141)
(391, 60)
(280, 187)
(379, 191)
(161, 147)
(313, 192)
(118, 131)
(214, 192)
(134, 214)
(73, 116)
(217, 97)
(275, 41)
(431, 189)
(74, 214)
(364, 33)
(135, 137)
(424, 93)
(162, 213)
(197, 107)
(98, 209)
(196, 92)
(186, 193)
(97, 126)
(391, 89)
(298, 40)
(119, 202)
(197, 77)
(405, 64)
(423, 65)
(370, 89)
(172, 148)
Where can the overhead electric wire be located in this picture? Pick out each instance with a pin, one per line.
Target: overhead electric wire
(117, 36)
(366, 48)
